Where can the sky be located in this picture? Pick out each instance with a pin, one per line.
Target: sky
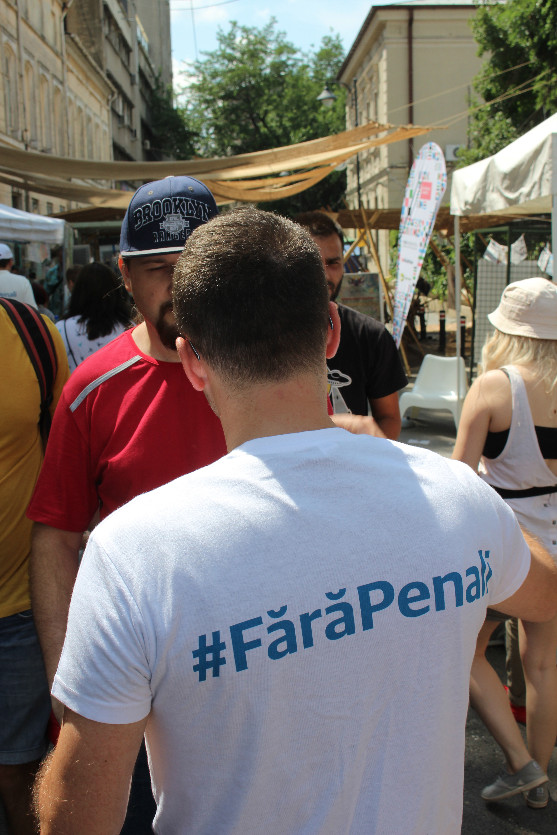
(305, 22)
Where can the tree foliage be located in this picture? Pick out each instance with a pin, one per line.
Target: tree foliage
(256, 91)
(171, 135)
(519, 77)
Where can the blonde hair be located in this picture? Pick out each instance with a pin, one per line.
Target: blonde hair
(506, 349)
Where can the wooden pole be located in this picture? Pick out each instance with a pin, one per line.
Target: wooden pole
(359, 239)
(373, 249)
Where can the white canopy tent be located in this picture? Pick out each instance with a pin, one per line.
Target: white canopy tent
(27, 227)
(520, 180)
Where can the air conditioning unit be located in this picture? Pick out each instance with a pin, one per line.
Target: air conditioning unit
(450, 152)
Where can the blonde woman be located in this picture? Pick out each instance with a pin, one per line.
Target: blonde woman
(508, 430)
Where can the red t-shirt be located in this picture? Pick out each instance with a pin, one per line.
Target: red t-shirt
(125, 424)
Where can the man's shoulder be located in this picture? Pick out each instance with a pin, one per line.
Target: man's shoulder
(14, 279)
(110, 361)
(364, 329)
(361, 321)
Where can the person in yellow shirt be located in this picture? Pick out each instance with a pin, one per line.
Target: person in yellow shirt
(24, 693)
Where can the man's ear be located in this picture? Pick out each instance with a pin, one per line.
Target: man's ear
(333, 334)
(192, 365)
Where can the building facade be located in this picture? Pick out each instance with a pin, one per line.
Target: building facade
(409, 64)
(130, 41)
(77, 78)
(54, 98)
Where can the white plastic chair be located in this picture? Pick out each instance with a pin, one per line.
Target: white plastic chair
(435, 387)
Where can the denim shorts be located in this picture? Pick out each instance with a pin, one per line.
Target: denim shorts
(24, 694)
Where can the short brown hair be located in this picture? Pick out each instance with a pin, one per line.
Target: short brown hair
(250, 293)
(320, 225)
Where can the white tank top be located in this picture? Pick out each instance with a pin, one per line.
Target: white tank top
(521, 465)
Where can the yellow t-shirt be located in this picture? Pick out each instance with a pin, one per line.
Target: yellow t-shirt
(21, 457)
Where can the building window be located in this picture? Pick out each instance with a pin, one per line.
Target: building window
(80, 130)
(59, 123)
(10, 91)
(30, 104)
(142, 38)
(71, 129)
(46, 115)
(90, 153)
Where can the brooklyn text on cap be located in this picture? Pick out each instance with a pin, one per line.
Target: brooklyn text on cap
(163, 214)
(527, 308)
(5, 253)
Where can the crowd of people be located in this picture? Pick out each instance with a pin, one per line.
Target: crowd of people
(256, 619)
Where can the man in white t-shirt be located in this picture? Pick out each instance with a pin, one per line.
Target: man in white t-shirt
(12, 285)
(291, 627)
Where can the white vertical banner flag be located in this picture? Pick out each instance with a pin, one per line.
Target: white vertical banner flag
(519, 250)
(545, 261)
(495, 252)
(424, 191)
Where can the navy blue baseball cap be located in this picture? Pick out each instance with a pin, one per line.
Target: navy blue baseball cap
(163, 214)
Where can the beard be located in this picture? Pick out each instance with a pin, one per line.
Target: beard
(167, 330)
(334, 291)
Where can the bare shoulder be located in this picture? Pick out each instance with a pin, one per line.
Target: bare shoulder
(487, 407)
(492, 384)
(491, 393)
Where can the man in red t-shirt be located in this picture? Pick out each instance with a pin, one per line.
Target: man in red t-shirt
(125, 422)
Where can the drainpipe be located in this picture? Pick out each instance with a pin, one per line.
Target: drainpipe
(21, 104)
(25, 131)
(65, 8)
(410, 84)
(136, 116)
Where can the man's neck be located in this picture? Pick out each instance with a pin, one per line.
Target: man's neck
(148, 341)
(298, 405)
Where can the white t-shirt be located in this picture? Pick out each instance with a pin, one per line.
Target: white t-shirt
(14, 286)
(76, 342)
(299, 619)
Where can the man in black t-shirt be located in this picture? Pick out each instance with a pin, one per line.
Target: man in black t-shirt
(366, 373)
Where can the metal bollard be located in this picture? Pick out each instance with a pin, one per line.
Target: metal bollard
(442, 332)
(421, 317)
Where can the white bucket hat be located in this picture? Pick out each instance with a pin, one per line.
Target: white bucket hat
(527, 308)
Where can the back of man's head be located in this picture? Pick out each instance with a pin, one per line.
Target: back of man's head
(320, 225)
(250, 294)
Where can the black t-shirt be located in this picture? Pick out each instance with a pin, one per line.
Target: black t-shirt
(366, 366)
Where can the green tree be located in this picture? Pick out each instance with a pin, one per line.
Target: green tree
(170, 134)
(518, 80)
(256, 91)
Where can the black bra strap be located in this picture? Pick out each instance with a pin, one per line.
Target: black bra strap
(524, 494)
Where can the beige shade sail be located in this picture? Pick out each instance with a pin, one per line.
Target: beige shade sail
(390, 219)
(257, 177)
